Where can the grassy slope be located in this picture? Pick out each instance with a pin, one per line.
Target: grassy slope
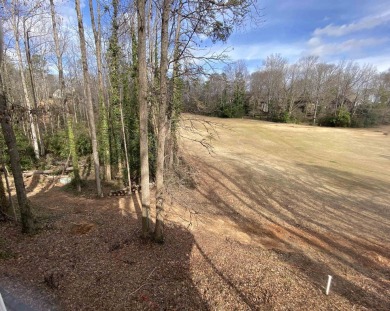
(319, 195)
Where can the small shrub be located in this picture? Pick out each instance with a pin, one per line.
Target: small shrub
(26, 151)
(58, 144)
(366, 116)
(231, 111)
(327, 120)
(341, 119)
(281, 117)
(83, 142)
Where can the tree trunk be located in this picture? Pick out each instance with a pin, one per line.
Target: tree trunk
(11, 203)
(10, 140)
(33, 90)
(104, 129)
(124, 139)
(162, 124)
(143, 117)
(65, 105)
(87, 88)
(24, 84)
(114, 54)
(315, 112)
(174, 108)
(73, 152)
(4, 204)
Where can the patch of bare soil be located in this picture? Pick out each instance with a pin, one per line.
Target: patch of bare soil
(264, 223)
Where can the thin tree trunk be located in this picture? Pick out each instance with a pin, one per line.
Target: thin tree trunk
(104, 129)
(114, 54)
(73, 152)
(124, 139)
(64, 102)
(173, 110)
(143, 115)
(24, 84)
(315, 112)
(4, 204)
(11, 203)
(33, 89)
(89, 98)
(162, 124)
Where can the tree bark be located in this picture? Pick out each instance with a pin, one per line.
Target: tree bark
(11, 203)
(87, 88)
(315, 112)
(4, 204)
(28, 225)
(114, 54)
(10, 140)
(124, 139)
(174, 107)
(104, 132)
(33, 89)
(143, 117)
(162, 124)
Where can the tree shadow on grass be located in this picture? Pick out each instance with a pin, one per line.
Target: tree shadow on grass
(328, 223)
(90, 257)
(226, 279)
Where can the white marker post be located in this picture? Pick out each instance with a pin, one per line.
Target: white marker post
(2, 305)
(328, 285)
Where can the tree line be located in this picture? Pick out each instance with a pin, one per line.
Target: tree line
(109, 83)
(309, 91)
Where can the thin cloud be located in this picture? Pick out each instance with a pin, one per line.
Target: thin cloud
(316, 47)
(381, 62)
(365, 23)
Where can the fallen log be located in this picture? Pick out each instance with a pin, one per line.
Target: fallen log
(48, 172)
(30, 173)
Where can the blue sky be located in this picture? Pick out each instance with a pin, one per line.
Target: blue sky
(332, 29)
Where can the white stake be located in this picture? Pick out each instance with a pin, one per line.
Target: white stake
(328, 285)
(2, 305)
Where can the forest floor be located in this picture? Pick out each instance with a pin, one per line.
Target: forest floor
(257, 222)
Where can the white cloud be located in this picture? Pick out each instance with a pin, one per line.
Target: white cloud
(317, 47)
(365, 23)
(314, 42)
(381, 62)
(352, 40)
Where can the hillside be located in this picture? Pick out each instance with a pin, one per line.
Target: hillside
(257, 222)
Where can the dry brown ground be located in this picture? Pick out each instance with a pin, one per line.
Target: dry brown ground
(270, 213)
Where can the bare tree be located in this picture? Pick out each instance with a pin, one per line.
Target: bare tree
(96, 28)
(15, 23)
(87, 89)
(143, 117)
(32, 85)
(64, 101)
(162, 123)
